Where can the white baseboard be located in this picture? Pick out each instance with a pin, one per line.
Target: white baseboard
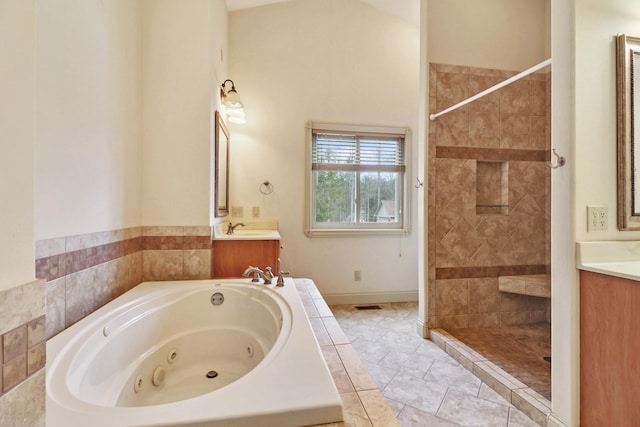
(370, 298)
(553, 421)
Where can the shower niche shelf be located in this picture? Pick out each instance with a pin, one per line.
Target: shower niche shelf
(537, 285)
(492, 188)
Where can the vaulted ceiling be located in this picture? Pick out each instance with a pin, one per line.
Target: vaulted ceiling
(409, 10)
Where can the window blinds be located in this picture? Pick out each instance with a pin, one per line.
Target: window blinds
(357, 152)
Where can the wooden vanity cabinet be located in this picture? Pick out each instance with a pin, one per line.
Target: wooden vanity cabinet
(231, 257)
(609, 350)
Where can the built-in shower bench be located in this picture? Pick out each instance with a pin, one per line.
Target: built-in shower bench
(537, 285)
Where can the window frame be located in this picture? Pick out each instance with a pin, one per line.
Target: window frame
(313, 229)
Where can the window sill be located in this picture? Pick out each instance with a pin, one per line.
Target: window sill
(337, 232)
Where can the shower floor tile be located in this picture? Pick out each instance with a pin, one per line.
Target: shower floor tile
(519, 350)
(423, 385)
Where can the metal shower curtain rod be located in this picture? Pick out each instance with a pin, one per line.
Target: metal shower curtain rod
(493, 88)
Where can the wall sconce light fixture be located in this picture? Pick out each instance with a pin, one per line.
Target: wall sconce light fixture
(234, 108)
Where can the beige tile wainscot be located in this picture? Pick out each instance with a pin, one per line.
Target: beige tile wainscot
(363, 403)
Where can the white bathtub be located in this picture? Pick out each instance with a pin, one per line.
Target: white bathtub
(165, 354)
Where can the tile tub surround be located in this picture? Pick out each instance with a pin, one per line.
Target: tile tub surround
(363, 403)
(22, 355)
(84, 272)
(176, 253)
(470, 244)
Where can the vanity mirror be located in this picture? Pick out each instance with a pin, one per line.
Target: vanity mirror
(628, 123)
(221, 184)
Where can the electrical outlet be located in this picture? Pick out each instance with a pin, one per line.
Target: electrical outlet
(597, 218)
(237, 211)
(357, 275)
(255, 212)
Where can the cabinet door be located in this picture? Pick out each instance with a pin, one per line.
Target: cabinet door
(609, 350)
(231, 257)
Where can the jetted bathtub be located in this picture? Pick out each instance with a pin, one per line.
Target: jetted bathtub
(192, 353)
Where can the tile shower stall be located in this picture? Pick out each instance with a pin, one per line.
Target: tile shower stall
(489, 201)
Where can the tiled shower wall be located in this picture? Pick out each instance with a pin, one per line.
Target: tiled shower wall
(489, 203)
(87, 271)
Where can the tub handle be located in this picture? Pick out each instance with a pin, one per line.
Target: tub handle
(280, 281)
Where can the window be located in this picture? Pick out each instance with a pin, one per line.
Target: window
(356, 179)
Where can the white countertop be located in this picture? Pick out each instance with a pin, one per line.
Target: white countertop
(619, 259)
(258, 230)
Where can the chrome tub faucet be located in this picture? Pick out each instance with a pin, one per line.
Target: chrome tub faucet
(266, 275)
(257, 273)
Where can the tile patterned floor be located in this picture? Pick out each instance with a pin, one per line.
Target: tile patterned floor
(423, 385)
(519, 350)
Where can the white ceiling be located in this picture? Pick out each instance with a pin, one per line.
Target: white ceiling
(409, 10)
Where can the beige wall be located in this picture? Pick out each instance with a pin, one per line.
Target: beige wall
(502, 34)
(183, 63)
(124, 113)
(88, 116)
(22, 400)
(597, 22)
(17, 111)
(359, 67)
(584, 127)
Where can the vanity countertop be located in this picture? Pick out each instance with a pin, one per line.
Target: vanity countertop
(619, 259)
(258, 230)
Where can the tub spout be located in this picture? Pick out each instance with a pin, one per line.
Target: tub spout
(257, 273)
(266, 275)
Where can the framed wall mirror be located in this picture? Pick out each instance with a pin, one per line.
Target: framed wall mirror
(222, 167)
(628, 124)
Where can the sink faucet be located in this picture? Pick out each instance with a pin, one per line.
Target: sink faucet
(258, 274)
(232, 227)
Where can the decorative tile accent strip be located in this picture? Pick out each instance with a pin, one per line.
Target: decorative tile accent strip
(51, 267)
(60, 265)
(91, 257)
(504, 154)
(176, 242)
(162, 243)
(497, 271)
(57, 265)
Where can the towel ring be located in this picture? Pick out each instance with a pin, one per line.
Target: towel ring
(266, 188)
